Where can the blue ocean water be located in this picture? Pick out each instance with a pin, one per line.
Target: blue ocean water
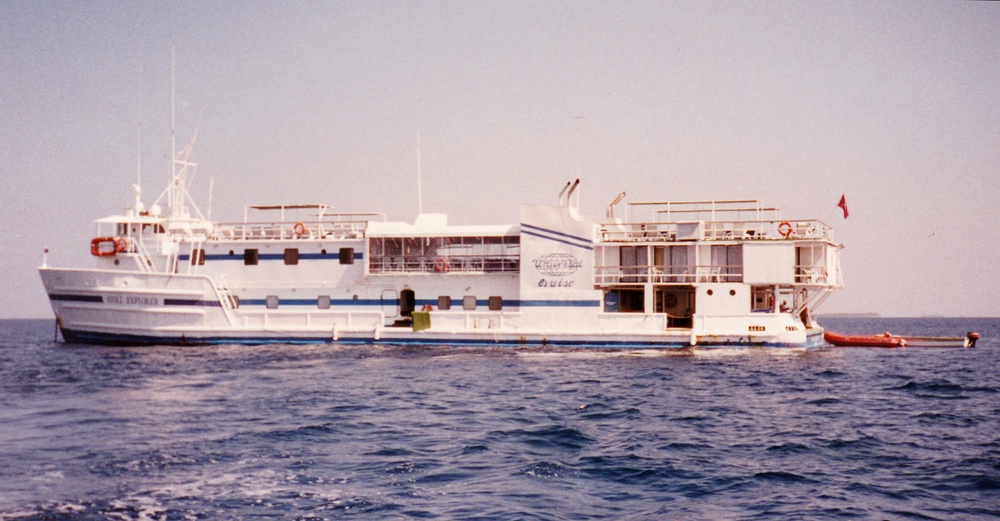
(377, 432)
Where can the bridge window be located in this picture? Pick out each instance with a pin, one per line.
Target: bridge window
(445, 254)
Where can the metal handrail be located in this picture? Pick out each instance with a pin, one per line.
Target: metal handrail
(672, 231)
(285, 230)
(645, 274)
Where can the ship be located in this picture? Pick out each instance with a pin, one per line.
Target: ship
(664, 275)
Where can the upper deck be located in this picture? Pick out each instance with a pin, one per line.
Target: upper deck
(724, 220)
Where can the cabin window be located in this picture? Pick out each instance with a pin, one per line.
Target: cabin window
(469, 302)
(444, 302)
(347, 255)
(727, 263)
(762, 298)
(631, 301)
(291, 256)
(250, 256)
(496, 303)
(443, 254)
(635, 263)
(670, 263)
(323, 302)
(624, 301)
(198, 257)
(272, 301)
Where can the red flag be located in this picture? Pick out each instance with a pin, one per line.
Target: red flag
(843, 205)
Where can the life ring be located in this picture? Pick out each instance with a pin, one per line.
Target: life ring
(299, 229)
(785, 229)
(427, 307)
(121, 244)
(95, 247)
(441, 265)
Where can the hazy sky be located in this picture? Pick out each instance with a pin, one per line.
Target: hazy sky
(894, 104)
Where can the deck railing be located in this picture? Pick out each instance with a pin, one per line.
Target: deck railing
(716, 231)
(325, 229)
(644, 274)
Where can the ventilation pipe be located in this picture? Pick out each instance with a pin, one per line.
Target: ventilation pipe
(569, 196)
(563, 192)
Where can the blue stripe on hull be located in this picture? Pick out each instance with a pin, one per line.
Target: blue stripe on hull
(85, 337)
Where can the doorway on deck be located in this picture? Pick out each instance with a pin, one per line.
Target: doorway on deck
(407, 302)
(678, 303)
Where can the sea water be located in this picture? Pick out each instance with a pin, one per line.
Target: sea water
(377, 432)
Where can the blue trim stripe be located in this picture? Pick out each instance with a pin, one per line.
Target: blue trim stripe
(560, 303)
(553, 232)
(540, 236)
(192, 302)
(455, 302)
(76, 298)
(314, 302)
(539, 232)
(185, 257)
(87, 337)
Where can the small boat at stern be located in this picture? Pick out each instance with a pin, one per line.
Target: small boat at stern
(890, 340)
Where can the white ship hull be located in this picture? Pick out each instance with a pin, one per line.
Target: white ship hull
(110, 308)
(726, 275)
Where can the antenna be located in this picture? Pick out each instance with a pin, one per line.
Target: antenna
(420, 194)
(579, 128)
(173, 109)
(211, 188)
(137, 187)
(138, 131)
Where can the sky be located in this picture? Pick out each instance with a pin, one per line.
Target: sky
(893, 104)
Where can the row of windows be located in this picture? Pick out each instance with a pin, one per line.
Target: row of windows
(494, 303)
(251, 256)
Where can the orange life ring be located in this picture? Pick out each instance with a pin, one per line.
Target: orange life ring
(299, 229)
(441, 265)
(95, 247)
(427, 307)
(121, 244)
(785, 229)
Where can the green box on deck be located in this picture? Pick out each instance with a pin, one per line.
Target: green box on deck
(421, 320)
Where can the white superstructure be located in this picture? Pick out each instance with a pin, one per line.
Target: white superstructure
(668, 275)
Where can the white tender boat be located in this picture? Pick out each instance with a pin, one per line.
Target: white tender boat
(669, 275)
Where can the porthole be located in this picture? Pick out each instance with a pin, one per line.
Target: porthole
(732, 292)
(709, 292)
